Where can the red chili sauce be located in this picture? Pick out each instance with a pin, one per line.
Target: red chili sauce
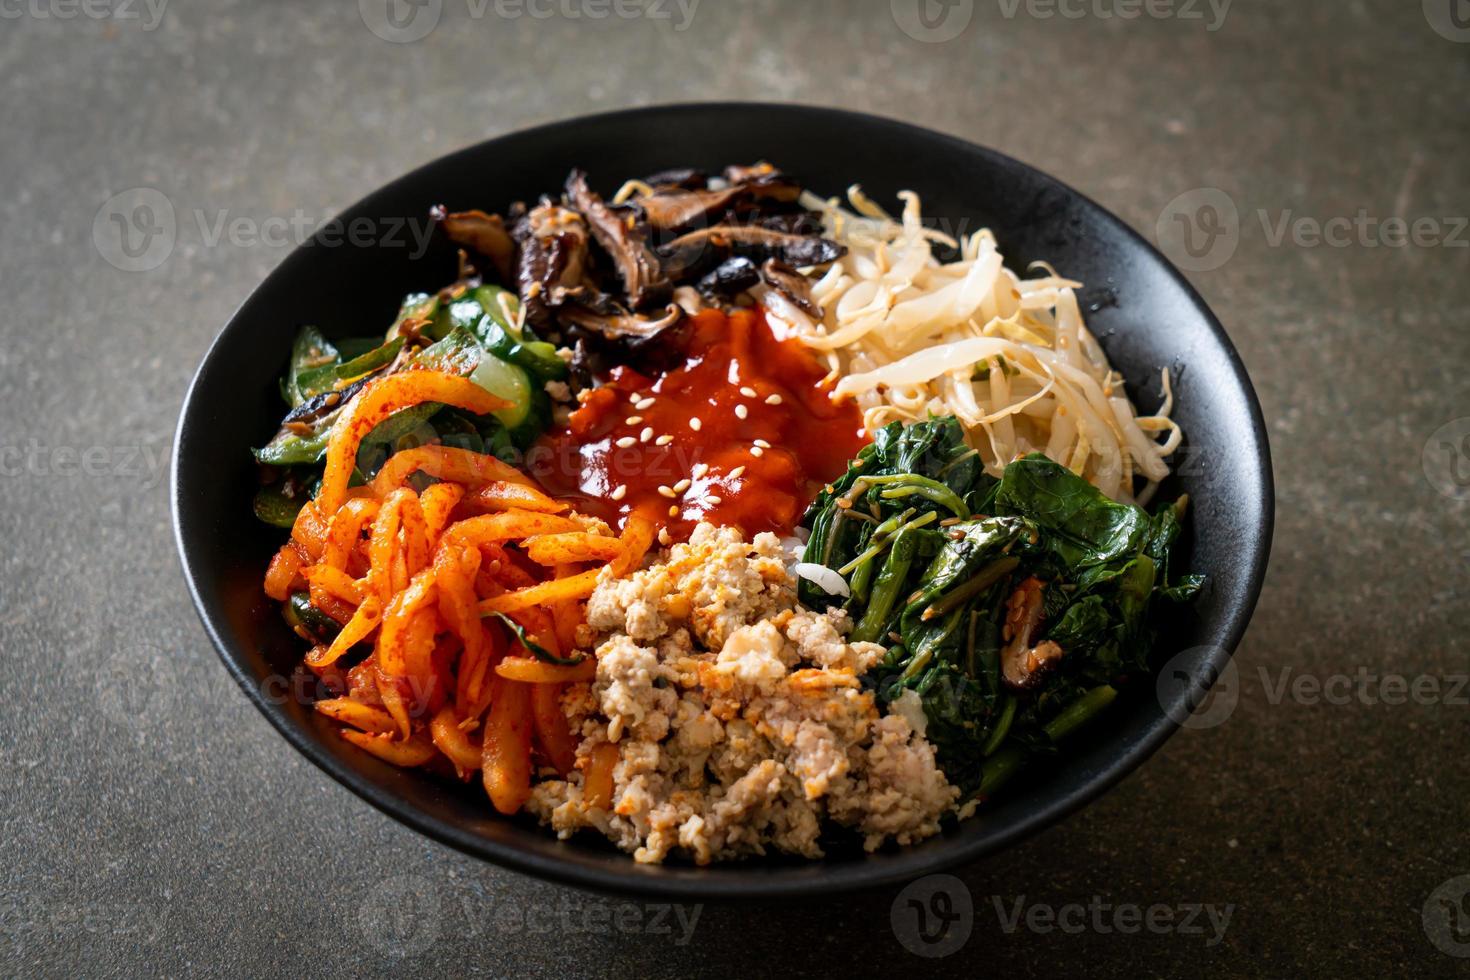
(766, 440)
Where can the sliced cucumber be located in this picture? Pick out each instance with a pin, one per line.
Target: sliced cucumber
(505, 380)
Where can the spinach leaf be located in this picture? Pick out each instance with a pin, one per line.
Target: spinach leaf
(1086, 528)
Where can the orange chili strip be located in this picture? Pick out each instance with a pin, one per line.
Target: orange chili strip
(367, 717)
(414, 752)
(598, 786)
(577, 587)
(367, 618)
(377, 401)
(450, 739)
(284, 569)
(532, 671)
(552, 730)
(507, 746)
(504, 495)
(445, 463)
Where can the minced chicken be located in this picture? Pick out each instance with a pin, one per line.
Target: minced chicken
(739, 717)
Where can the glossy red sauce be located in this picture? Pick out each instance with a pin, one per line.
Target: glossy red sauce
(810, 438)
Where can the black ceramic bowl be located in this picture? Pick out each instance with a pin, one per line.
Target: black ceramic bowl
(350, 279)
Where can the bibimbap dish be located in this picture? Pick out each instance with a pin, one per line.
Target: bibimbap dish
(718, 518)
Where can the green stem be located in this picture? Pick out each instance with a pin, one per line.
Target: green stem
(983, 580)
(879, 541)
(886, 588)
(927, 647)
(908, 484)
(1080, 712)
(1002, 728)
(998, 770)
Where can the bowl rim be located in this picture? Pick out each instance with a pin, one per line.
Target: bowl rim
(737, 881)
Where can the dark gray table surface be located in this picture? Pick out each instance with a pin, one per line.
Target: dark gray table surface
(152, 821)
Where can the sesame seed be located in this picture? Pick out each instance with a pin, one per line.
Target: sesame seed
(773, 399)
(757, 452)
(681, 486)
(664, 538)
(748, 391)
(667, 492)
(695, 424)
(714, 501)
(636, 396)
(633, 420)
(646, 434)
(619, 492)
(644, 404)
(763, 444)
(626, 442)
(737, 472)
(741, 411)
(674, 511)
(663, 440)
(700, 469)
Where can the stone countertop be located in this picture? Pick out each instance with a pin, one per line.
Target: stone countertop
(152, 819)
